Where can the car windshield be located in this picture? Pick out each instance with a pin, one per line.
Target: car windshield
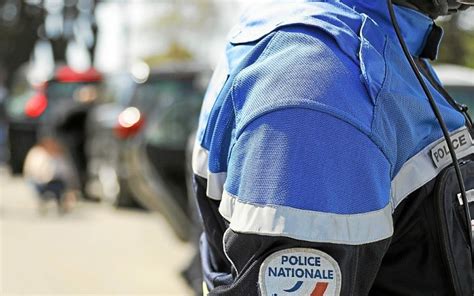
(56, 90)
(162, 92)
(176, 113)
(15, 105)
(173, 127)
(463, 95)
(118, 89)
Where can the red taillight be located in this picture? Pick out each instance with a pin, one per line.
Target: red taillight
(129, 123)
(67, 74)
(36, 105)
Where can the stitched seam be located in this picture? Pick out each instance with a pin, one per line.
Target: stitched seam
(238, 78)
(312, 239)
(318, 108)
(296, 210)
(356, 269)
(384, 80)
(377, 109)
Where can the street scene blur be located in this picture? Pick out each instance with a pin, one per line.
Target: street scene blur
(99, 101)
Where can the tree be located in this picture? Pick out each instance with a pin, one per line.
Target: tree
(22, 25)
(19, 25)
(181, 30)
(458, 44)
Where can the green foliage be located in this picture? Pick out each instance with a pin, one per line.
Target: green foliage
(469, 43)
(185, 23)
(458, 44)
(176, 53)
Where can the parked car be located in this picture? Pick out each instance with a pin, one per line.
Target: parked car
(21, 123)
(3, 125)
(102, 146)
(70, 97)
(33, 110)
(459, 82)
(155, 128)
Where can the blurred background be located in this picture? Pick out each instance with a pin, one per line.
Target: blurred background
(98, 104)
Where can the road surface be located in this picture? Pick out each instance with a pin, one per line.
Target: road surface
(95, 250)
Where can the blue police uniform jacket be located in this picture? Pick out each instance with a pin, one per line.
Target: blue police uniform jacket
(315, 136)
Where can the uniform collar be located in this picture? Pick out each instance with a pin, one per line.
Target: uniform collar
(419, 31)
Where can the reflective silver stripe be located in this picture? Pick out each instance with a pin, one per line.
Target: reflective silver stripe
(215, 185)
(215, 181)
(200, 160)
(419, 170)
(307, 225)
(469, 196)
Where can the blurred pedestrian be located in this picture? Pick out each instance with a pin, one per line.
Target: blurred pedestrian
(49, 169)
(66, 124)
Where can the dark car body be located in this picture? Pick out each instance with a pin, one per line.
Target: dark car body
(102, 146)
(21, 129)
(21, 136)
(31, 109)
(154, 158)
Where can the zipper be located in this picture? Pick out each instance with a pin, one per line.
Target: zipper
(440, 208)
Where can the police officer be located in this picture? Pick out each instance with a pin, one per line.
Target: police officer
(319, 166)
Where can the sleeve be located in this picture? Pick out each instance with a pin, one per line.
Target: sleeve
(307, 198)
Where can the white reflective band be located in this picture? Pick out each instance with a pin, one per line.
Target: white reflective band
(200, 160)
(420, 169)
(469, 195)
(271, 220)
(215, 185)
(215, 181)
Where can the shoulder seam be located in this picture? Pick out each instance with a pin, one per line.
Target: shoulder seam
(318, 107)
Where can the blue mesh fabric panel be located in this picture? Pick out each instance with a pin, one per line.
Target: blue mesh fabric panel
(301, 70)
(302, 67)
(221, 120)
(308, 160)
(405, 122)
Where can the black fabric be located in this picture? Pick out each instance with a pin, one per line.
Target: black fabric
(54, 188)
(429, 254)
(212, 251)
(434, 8)
(419, 259)
(430, 51)
(454, 227)
(412, 265)
(359, 264)
(67, 123)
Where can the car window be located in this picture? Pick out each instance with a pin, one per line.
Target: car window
(15, 105)
(118, 89)
(162, 92)
(171, 126)
(58, 91)
(20, 88)
(463, 95)
(21, 85)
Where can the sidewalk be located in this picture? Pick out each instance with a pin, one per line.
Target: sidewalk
(96, 250)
